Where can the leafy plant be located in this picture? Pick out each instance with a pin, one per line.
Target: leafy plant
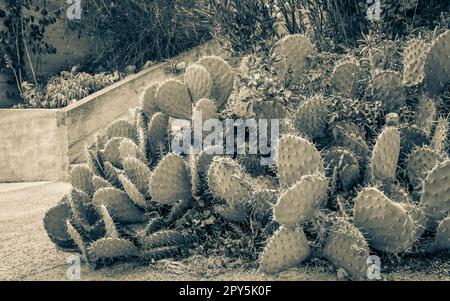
(65, 89)
(131, 32)
(24, 33)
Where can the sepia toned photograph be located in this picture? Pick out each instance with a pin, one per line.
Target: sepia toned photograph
(224, 140)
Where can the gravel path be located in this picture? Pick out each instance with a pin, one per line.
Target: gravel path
(26, 253)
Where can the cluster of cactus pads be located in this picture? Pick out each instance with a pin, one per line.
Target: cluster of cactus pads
(337, 192)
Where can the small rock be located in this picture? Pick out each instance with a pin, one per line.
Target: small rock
(342, 274)
(131, 69)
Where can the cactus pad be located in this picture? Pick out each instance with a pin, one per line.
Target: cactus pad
(107, 250)
(198, 81)
(345, 247)
(56, 227)
(420, 162)
(302, 201)
(387, 88)
(437, 65)
(385, 224)
(347, 77)
(170, 181)
(311, 118)
(435, 196)
(149, 105)
(119, 205)
(81, 178)
(414, 62)
(293, 55)
(222, 78)
(443, 234)
(297, 157)
(174, 100)
(228, 180)
(385, 154)
(286, 249)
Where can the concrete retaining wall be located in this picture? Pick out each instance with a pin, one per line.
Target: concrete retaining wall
(33, 145)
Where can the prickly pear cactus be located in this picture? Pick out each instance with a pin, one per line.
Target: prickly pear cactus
(302, 201)
(174, 100)
(56, 227)
(170, 181)
(138, 173)
(311, 118)
(157, 134)
(386, 87)
(228, 180)
(111, 152)
(440, 136)
(385, 154)
(347, 77)
(442, 238)
(297, 157)
(437, 65)
(222, 78)
(293, 56)
(345, 247)
(121, 129)
(106, 250)
(385, 224)
(133, 192)
(414, 62)
(81, 178)
(119, 204)
(343, 167)
(198, 81)
(420, 162)
(149, 106)
(129, 149)
(286, 249)
(426, 112)
(435, 197)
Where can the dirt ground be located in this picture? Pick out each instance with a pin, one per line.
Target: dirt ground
(26, 253)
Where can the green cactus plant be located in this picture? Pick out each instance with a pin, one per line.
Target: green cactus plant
(311, 118)
(437, 65)
(293, 55)
(170, 181)
(286, 249)
(347, 77)
(119, 205)
(301, 201)
(387, 87)
(174, 100)
(442, 238)
(198, 81)
(385, 155)
(435, 197)
(297, 157)
(414, 62)
(157, 134)
(420, 162)
(386, 225)
(148, 105)
(56, 227)
(345, 247)
(222, 78)
(121, 129)
(81, 178)
(426, 112)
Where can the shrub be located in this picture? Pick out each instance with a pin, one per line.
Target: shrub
(65, 89)
(131, 32)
